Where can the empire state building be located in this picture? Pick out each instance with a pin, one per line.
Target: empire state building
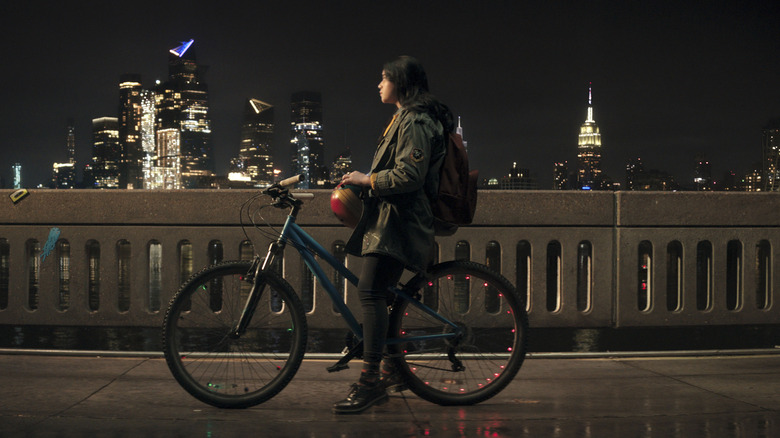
(589, 176)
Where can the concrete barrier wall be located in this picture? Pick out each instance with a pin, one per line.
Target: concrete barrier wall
(596, 259)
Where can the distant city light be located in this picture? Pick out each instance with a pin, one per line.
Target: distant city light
(179, 51)
(238, 176)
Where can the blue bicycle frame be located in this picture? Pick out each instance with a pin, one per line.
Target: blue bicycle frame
(308, 247)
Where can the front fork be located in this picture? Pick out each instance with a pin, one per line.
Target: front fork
(258, 286)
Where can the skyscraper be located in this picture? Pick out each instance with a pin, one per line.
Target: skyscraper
(770, 154)
(70, 141)
(308, 145)
(106, 153)
(589, 175)
(341, 166)
(148, 136)
(16, 174)
(561, 176)
(182, 103)
(166, 171)
(517, 179)
(130, 119)
(64, 174)
(256, 137)
(702, 175)
(634, 171)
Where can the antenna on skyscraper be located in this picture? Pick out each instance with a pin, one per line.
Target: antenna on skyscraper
(590, 93)
(590, 102)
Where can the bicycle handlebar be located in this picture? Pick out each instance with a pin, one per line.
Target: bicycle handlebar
(280, 192)
(291, 181)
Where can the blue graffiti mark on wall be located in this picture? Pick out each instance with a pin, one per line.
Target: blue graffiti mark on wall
(51, 242)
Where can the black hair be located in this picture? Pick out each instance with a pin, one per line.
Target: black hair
(411, 88)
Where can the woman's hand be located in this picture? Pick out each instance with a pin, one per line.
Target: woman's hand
(356, 179)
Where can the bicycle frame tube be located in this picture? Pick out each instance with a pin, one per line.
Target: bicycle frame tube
(305, 245)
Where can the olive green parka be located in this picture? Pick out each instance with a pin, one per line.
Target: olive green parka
(397, 220)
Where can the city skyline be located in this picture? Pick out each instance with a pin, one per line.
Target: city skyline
(670, 82)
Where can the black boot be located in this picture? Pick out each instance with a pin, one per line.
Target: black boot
(360, 398)
(391, 378)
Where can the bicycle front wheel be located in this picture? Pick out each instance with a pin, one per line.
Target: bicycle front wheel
(217, 367)
(482, 353)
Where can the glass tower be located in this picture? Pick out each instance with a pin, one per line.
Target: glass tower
(307, 140)
(182, 103)
(106, 153)
(70, 141)
(64, 174)
(256, 137)
(130, 118)
(770, 154)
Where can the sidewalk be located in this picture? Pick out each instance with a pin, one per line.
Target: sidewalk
(731, 396)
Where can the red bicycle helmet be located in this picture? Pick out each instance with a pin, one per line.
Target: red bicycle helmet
(346, 204)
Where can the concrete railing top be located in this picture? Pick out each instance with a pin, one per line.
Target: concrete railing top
(495, 208)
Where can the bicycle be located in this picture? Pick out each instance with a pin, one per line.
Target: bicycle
(235, 334)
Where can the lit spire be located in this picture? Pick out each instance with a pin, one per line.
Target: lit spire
(459, 131)
(590, 102)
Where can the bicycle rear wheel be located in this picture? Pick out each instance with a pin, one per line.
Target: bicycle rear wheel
(218, 368)
(487, 352)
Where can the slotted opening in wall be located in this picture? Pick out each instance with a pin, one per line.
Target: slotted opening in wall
(734, 275)
(92, 249)
(703, 275)
(186, 266)
(462, 284)
(123, 273)
(277, 265)
(584, 276)
(339, 251)
(674, 281)
(644, 275)
(155, 274)
(523, 271)
(32, 253)
(493, 261)
(763, 275)
(5, 252)
(307, 287)
(63, 277)
(553, 276)
(431, 292)
(215, 254)
(245, 250)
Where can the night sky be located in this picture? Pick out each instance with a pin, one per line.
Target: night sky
(670, 79)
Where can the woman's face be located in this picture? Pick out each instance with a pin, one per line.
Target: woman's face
(387, 91)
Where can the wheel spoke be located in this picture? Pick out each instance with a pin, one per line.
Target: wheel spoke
(490, 345)
(217, 367)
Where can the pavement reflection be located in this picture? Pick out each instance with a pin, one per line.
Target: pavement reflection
(711, 397)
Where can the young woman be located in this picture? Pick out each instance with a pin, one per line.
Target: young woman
(396, 228)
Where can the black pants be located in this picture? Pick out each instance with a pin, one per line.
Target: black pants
(379, 273)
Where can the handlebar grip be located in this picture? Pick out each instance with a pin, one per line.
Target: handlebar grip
(291, 181)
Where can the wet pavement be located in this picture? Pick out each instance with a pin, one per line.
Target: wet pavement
(714, 396)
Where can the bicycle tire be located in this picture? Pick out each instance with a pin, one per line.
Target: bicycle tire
(230, 372)
(492, 347)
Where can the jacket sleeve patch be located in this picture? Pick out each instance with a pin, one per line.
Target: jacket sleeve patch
(417, 155)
